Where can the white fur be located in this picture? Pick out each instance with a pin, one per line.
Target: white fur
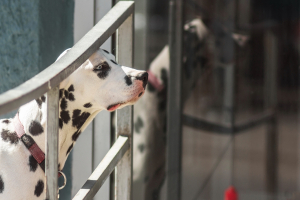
(19, 181)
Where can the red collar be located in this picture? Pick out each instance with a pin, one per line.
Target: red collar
(29, 142)
(33, 148)
(155, 82)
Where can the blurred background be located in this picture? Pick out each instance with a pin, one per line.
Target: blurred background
(240, 99)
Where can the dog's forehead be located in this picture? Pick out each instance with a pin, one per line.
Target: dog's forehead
(100, 56)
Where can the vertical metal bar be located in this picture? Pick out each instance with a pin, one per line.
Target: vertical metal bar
(51, 141)
(101, 124)
(174, 128)
(229, 111)
(271, 46)
(123, 171)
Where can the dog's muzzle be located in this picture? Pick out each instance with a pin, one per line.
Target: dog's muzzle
(144, 78)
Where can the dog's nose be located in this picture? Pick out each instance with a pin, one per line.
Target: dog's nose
(143, 77)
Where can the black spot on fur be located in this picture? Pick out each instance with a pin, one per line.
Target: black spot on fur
(162, 105)
(69, 149)
(76, 135)
(43, 98)
(71, 88)
(141, 147)
(71, 97)
(60, 122)
(66, 94)
(63, 104)
(113, 62)
(6, 121)
(102, 74)
(155, 194)
(138, 125)
(76, 113)
(87, 105)
(128, 80)
(162, 95)
(1, 185)
(33, 164)
(64, 115)
(39, 102)
(35, 128)
(11, 137)
(164, 76)
(61, 93)
(150, 87)
(79, 119)
(39, 188)
(146, 179)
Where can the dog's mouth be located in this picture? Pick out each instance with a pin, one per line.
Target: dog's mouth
(115, 106)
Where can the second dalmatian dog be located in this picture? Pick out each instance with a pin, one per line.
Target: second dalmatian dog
(98, 84)
(149, 146)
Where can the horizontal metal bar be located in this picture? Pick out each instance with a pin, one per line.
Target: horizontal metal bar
(104, 169)
(255, 121)
(205, 125)
(226, 129)
(58, 71)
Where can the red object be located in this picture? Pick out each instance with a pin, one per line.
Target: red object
(37, 153)
(34, 149)
(30, 144)
(114, 107)
(155, 82)
(230, 194)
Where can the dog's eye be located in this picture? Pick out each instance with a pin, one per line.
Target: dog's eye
(99, 67)
(102, 66)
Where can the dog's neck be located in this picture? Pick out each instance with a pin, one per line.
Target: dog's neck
(74, 117)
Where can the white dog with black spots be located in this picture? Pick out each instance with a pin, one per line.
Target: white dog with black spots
(98, 84)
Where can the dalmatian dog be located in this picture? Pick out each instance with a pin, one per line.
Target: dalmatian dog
(149, 146)
(98, 84)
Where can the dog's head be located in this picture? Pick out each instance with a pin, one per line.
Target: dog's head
(106, 84)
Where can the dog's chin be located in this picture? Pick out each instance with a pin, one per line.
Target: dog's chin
(131, 101)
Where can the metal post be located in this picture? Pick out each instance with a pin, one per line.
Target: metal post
(174, 128)
(51, 142)
(123, 171)
(271, 46)
(229, 111)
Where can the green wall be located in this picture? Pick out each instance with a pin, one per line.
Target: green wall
(32, 35)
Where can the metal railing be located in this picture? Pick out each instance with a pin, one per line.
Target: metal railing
(119, 157)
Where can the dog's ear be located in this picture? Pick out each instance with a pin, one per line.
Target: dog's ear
(109, 55)
(62, 54)
(114, 57)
